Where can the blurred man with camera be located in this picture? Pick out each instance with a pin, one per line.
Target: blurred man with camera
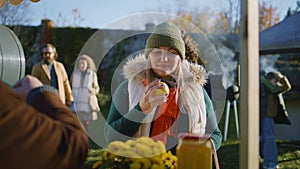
(273, 85)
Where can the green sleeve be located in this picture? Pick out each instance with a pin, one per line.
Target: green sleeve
(211, 122)
(120, 121)
(282, 87)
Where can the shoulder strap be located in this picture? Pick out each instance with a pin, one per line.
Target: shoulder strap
(215, 155)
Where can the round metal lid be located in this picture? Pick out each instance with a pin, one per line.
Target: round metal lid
(12, 60)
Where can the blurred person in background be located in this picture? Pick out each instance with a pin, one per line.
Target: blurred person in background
(53, 73)
(85, 87)
(272, 86)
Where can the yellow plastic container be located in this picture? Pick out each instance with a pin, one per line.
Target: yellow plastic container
(194, 152)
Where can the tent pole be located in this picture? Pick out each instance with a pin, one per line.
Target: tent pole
(249, 93)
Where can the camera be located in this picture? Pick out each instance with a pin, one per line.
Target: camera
(12, 60)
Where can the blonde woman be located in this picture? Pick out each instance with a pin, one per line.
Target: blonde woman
(137, 111)
(85, 87)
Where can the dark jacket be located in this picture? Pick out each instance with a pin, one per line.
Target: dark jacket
(271, 100)
(43, 134)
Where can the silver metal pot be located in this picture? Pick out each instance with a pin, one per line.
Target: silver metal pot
(12, 60)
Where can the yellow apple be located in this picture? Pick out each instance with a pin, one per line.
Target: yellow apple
(163, 90)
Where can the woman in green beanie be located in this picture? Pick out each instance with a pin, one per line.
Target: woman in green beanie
(137, 110)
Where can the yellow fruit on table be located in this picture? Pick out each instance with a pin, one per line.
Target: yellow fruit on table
(163, 90)
(143, 150)
(138, 153)
(131, 143)
(128, 153)
(117, 146)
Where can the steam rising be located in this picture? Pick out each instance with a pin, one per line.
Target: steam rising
(229, 66)
(267, 63)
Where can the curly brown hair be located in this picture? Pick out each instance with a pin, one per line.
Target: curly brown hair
(191, 48)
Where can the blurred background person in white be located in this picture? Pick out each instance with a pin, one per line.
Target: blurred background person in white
(85, 87)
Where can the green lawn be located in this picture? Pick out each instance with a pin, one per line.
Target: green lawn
(228, 154)
(289, 154)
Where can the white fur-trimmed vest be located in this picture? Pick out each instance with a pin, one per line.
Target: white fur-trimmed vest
(191, 97)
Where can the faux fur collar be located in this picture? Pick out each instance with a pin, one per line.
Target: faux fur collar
(135, 68)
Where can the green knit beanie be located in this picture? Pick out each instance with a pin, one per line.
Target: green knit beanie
(166, 35)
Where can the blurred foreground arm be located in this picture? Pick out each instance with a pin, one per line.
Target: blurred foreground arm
(42, 133)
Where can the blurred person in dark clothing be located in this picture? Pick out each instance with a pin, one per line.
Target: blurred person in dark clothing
(272, 86)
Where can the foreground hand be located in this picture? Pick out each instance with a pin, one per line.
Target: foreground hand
(23, 86)
(149, 100)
